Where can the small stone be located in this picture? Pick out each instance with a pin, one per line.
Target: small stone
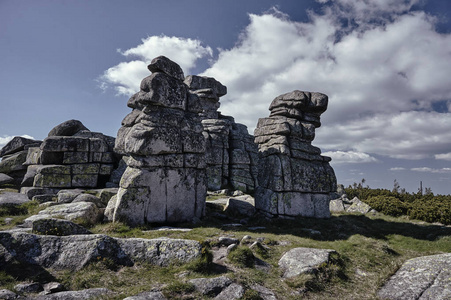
(28, 287)
(7, 294)
(53, 287)
(226, 241)
(231, 247)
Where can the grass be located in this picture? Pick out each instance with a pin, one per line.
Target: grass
(371, 249)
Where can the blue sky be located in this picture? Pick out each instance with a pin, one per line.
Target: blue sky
(385, 64)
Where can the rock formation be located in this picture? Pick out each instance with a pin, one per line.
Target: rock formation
(165, 176)
(231, 154)
(294, 179)
(70, 157)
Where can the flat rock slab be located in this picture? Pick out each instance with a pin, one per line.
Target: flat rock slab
(147, 296)
(211, 286)
(241, 205)
(96, 293)
(299, 261)
(4, 179)
(58, 227)
(76, 251)
(13, 199)
(427, 277)
(85, 211)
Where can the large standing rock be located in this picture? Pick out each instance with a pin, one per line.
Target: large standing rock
(165, 178)
(427, 277)
(293, 178)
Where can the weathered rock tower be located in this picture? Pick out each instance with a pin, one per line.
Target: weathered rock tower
(293, 178)
(165, 178)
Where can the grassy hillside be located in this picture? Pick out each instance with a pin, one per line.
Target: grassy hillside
(371, 248)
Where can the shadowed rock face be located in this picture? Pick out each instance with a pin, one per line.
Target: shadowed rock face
(165, 176)
(294, 179)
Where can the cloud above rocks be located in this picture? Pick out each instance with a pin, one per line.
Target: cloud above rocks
(383, 65)
(125, 77)
(342, 157)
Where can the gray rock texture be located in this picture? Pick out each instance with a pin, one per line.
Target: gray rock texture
(67, 128)
(94, 293)
(293, 178)
(7, 294)
(10, 199)
(76, 251)
(211, 286)
(427, 277)
(147, 296)
(165, 178)
(233, 291)
(17, 144)
(57, 227)
(82, 211)
(240, 206)
(298, 261)
(70, 157)
(4, 179)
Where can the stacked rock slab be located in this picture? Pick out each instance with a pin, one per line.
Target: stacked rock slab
(165, 176)
(231, 154)
(14, 155)
(294, 179)
(70, 157)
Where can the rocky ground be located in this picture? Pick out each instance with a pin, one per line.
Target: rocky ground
(233, 253)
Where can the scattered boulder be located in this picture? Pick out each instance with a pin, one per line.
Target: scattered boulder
(57, 227)
(85, 212)
(53, 287)
(211, 286)
(4, 179)
(67, 128)
(7, 294)
(154, 295)
(13, 163)
(17, 144)
(33, 287)
(94, 293)
(240, 206)
(89, 198)
(67, 196)
(227, 241)
(298, 261)
(76, 251)
(336, 205)
(426, 277)
(233, 291)
(263, 292)
(359, 207)
(13, 199)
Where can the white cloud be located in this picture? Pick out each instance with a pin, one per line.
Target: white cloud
(126, 76)
(6, 138)
(432, 170)
(381, 80)
(341, 157)
(397, 169)
(443, 156)
(382, 74)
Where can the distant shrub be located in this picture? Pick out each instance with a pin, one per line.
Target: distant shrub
(437, 209)
(387, 205)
